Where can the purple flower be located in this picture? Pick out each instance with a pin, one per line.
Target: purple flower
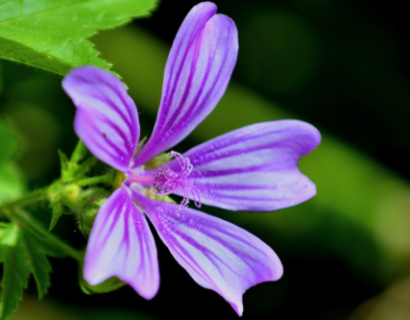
(253, 168)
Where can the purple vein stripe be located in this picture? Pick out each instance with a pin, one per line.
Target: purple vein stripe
(217, 254)
(193, 82)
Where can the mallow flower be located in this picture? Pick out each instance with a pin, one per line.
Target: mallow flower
(254, 168)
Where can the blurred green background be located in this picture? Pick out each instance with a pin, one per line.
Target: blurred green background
(340, 65)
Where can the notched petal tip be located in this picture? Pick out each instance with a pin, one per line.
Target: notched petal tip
(122, 245)
(309, 134)
(206, 6)
(106, 119)
(237, 307)
(147, 293)
(197, 73)
(254, 168)
(217, 254)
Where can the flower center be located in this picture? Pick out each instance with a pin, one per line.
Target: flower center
(167, 180)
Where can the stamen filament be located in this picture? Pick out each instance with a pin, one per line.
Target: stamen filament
(167, 181)
(144, 179)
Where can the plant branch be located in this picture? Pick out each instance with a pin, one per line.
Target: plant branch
(31, 223)
(31, 197)
(42, 194)
(107, 178)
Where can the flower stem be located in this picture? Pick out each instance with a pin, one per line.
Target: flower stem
(27, 220)
(31, 197)
(41, 194)
(107, 178)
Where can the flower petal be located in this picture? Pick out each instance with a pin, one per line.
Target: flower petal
(122, 245)
(197, 73)
(106, 119)
(253, 168)
(217, 254)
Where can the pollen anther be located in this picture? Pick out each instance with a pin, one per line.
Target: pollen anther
(167, 180)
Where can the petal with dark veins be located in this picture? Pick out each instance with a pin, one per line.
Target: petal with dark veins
(254, 168)
(106, 119)
(217, 254)
(197, 73)
(122, 245)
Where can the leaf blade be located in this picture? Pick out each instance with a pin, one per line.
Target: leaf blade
(51, 34)
(15, 273)
(39, 265)
(23, 252)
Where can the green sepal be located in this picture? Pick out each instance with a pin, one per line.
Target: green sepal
(63, 162)
(72, 169)
(140, 145)
(65, 192)
(84, 167)
(157, 161)
(86, 216)
(56, 213)
(119, 178)
(154, 196)
(54, 195)
(72, 199)
(108, 285)
(79, 153)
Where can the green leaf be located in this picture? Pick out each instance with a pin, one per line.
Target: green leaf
(39, 265)
(15, 271)
(7, 237)
(51, 34)
(22, 252)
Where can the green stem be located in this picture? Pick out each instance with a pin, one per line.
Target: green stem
(107, 178)
(13, 211)
(34, 196)
(41, 194)
(26, 219)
